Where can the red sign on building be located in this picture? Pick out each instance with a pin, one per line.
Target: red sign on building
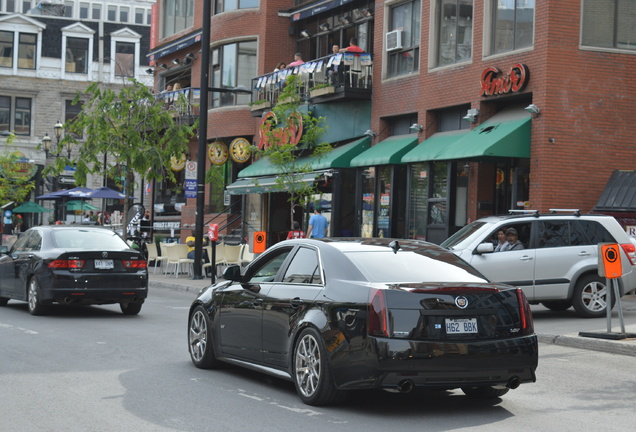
(494, 83)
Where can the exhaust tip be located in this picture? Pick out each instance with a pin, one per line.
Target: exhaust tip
(514, 383)
(405, 386)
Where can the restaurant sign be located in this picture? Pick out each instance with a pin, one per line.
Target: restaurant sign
(289, 133)
(18, 166)
(494, 82)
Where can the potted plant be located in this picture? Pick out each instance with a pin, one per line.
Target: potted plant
(321, 90)
(260, 105)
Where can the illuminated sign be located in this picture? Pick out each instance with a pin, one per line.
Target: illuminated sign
(494, 83)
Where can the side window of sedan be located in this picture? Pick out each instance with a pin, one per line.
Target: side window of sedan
(268, 271)
(304, 268)
(34, 242)
(21, 243)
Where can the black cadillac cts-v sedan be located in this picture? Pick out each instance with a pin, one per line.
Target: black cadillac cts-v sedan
(340, 314)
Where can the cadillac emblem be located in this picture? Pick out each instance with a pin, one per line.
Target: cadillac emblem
(461, 302)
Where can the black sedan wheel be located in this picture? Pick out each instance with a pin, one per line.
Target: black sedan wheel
(130, 308)
(485, 392)
(36, 307)
(590, 297)
(312, 374)
(200, 340)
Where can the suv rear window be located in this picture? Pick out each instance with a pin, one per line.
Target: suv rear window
(572, 233)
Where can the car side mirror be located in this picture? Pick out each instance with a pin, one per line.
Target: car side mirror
(232, 273)
(483, 248)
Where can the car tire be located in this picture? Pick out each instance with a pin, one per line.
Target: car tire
(130, 308)
(485, 392)
(200, 343)
(34, 298)
(590, 297)
(311, 370)
(4, 301)
(557, 305)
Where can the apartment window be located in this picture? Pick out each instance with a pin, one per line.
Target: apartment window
(609, 24)
(26, 50)
(513, 25)
(97, 11)
(233, 65)
(229, 5)
(6, 49)
(68, 9)
(123, 14)
(139, 16)
(178, 15)
(455, 24)
(112, 13)
(26, 6)
(10, 5)
(405, 18)
(71, 112)
(84, 10)
(15, 115)
(124, 59)
(76, 55)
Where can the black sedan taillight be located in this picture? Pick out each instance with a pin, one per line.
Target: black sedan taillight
(67, 264)
(525, 315)
(377, 319)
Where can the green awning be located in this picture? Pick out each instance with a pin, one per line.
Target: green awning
(434, 146)
(500, 136)
(339, 157)
(264, 184)
(389, 151)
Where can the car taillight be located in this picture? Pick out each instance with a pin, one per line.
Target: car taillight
(630, 251)
(67, 264)
(377, 319)
(527, 325)
(138, 264)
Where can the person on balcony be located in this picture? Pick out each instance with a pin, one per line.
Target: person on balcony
(353, 46)
(333, 69)
(298, 60)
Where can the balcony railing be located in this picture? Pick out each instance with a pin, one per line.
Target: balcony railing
(182, 103)
(334, 77)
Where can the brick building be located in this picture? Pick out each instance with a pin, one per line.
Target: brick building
(460, 109)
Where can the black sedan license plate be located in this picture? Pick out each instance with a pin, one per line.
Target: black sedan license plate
(461, 325)
(103, 264)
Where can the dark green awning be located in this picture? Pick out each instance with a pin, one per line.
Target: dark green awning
(389, 151)
(339, 157)
(264, 184)
(431, 148)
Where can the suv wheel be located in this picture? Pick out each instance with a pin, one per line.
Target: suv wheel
(590, 297)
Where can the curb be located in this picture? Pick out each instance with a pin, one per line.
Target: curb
(624, 347)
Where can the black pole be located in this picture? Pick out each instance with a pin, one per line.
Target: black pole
(213, 263)
(203, 132)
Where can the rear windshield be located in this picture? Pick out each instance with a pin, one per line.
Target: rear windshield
(88, 239)
(408, 266)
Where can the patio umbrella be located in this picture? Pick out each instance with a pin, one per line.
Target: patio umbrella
(79, 205)
(76, 192)
(106, 193)
(30, 207)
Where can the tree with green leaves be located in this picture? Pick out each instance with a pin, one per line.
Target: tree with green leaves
(293, 140)
(13, 186)
(132, 127)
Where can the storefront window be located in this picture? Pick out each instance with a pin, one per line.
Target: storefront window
(419, 199)
(384, 205)
(368, 201)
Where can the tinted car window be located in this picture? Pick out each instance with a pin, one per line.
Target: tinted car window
(88, 239)
(595, 232)
(34, 242)
(554, 234)
(405, 266)
(21, 242)
(267, 271)
(304, 268)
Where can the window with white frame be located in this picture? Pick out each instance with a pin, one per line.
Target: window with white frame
(112, 13)
(6, 49)
(455, 31)
(177, 16)
(15, 115)
(68, 9)
(96, 11)
(609, 24)
(20, 43)
(124, 12)
(404, 24)
(76, 55)
(84, 10)
(124, 59)
(512, 25)
(233, 65)
(221, 6)
(139, 15)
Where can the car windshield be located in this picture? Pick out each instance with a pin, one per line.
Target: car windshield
(408, 266)
(98, 239)
(461, 235)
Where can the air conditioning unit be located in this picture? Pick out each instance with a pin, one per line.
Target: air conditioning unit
(393, 40)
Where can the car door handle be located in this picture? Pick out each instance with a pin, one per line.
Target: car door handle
(584, 253)
(296, 302)
(525, 258)
(257, 302)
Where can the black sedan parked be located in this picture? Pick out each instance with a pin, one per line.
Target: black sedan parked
(73, 265)
(342, 314)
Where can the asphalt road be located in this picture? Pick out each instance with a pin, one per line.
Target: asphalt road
(94, 369)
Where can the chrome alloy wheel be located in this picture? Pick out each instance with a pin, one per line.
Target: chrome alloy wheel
(33, 295)
(594, 296)
(308, 365)
(198, 335)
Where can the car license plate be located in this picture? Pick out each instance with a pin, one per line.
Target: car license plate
(103, 264)
(461, 325)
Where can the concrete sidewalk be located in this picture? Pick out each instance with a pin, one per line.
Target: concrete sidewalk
(548, 331)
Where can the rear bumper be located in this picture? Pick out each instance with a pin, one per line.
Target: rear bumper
(96, 288)
(442, 364)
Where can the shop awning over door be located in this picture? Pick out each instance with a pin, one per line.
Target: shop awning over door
(264, 184)
(339, 157)
(619, 194)
(389, 151)
(431, 148)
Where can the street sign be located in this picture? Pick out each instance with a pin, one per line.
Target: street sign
(260, 238)
(611, 256)
(213, 232)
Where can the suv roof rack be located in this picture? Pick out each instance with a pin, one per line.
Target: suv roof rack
(535, 213)
(576, 212)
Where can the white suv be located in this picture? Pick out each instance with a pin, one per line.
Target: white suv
(558, 264)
